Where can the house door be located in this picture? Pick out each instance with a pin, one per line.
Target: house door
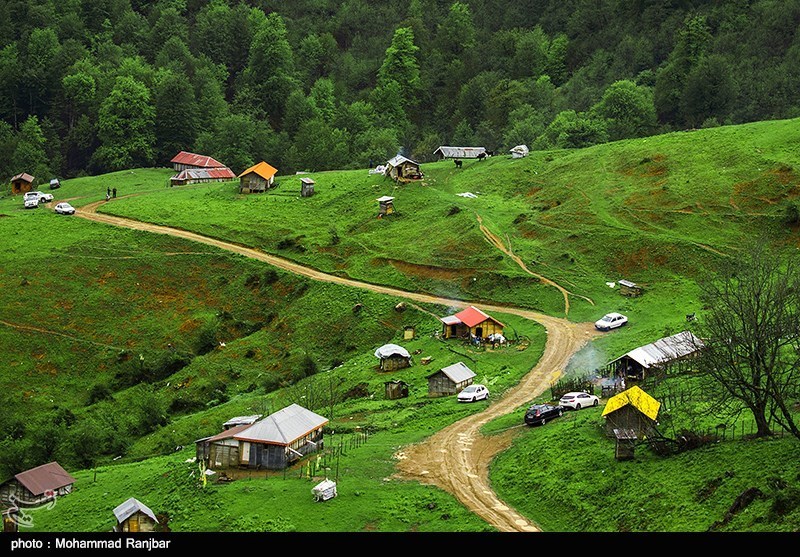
(245, 453)
(453, 330)
(479, 332)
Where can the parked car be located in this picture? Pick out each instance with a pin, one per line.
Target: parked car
(31, 202)
(64, 208)
(540, 414)
(474, 392)
(610, 321)
(577, 400)
(55, 184)
(40, 197)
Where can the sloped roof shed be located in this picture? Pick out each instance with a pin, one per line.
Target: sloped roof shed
(193, 159)
(130, 507)
(665, 350)
(47, 477)
(635, 397)
(457, 372)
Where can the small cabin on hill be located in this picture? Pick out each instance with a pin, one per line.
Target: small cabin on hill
(134, 516)
(657, 356)
(258, 178)
(402, 169)
(393, 357)
(632, 409)
(470, 323)
(272, 443)
(38, 486)
(22, 183)
(306, 187)
(395, 389)
(448, 152)
(450, 380)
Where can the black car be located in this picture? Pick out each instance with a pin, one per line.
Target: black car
(540, 414)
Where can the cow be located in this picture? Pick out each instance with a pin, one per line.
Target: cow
(458, 163)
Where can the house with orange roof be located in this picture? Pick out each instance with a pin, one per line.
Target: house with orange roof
(257, 178)
(470, 323)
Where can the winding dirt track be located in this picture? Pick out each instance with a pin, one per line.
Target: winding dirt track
(456, 459)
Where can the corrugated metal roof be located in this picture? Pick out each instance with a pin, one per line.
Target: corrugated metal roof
(130, 507)
(263, 169)
(390, 350)
(397, 160)
(284, 426)
(470, 317)
(308, 181)
(458, 372)
(242, 420)
(193, 159)
(47, 477)
(385, 198)
(226, 434)
(24, 176)
(449, 152)
(665, 349)
(204, 174)
(636, 397)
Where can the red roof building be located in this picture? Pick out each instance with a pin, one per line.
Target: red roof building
(185, 160)
(38, 485)
(470, 323)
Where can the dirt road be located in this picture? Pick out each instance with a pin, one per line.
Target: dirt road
(457, 458)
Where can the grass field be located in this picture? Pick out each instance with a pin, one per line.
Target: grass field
(111, 340)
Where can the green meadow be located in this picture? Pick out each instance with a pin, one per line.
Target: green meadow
(120, 348)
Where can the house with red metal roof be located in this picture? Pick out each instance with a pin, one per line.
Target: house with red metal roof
(257, 178)
(470, 323)
(192, 161)
(36, 486)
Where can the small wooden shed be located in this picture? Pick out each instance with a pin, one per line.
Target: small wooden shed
(450, 380)
(403, 169)
(630, 289)
(306, 187)
(134, 516)
(393, 357)
(257, 178)
(631, 410)
(626, 443)
(385, 205)
(395, 389)
(22, 183)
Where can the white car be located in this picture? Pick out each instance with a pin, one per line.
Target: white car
(32, 203)
(64, 208)
(472, 393)
(577, 400)
(39, 196)
(610, 321)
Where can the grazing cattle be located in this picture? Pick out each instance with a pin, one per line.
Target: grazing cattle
(481, 156)
(690, 317)
(458, 163)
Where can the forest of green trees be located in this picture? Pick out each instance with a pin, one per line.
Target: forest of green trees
(91, 86)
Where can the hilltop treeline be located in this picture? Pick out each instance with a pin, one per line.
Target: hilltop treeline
(102, 85)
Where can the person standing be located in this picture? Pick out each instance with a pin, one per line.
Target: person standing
(108, 193)
(114, 193)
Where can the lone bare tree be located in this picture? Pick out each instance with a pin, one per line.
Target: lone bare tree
(751, 334)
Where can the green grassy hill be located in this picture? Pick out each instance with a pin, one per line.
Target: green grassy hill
(110, 339)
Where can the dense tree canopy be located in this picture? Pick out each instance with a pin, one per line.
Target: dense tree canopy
(567, 73)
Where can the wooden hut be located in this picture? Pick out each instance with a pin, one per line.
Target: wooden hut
(402, 169)
(38, 486)
(257, 178)
(630, 289)
(221, 450)
(626, 443)
(306, 187)
(134, 516)
(632, 409)
(450, 380)
(393, 357)
(470, 323)
(22, 183)
(395, 389)
(385, 205)
(658, 355)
